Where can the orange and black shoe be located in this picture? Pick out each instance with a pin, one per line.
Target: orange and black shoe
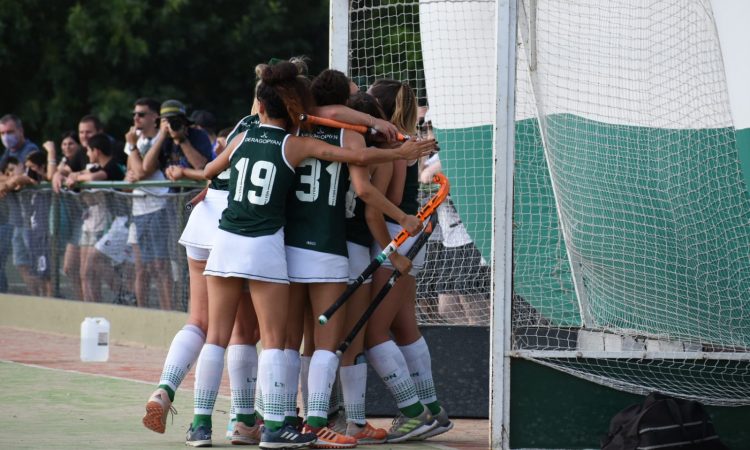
(327, 438)
(366, 434)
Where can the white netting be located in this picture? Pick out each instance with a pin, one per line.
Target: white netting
(630, 211)
(651, 210)
(385, 43)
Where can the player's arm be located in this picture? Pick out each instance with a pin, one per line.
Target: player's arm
(221, 162)
(360, 178)
(299, 148)
(345, 114)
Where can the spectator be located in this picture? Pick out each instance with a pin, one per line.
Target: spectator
(148, 235)
(12, 230)
(205, 120)
(178, 144)
(73, 159)
(88, 126)
(14, 140)
(36, 219)
(102, 166)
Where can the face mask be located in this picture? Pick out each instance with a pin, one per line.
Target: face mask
(10, 141)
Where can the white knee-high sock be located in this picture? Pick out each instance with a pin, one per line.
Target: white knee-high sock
(320, 382)
(354, 384)
(389, 363)
(208, 378)
(272, 374)
(417, 356)
(242, 364)
(292, 380)
(184, 350)
(304, 373)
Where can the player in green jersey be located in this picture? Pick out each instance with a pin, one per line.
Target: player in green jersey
(249, 243)
(406, 367)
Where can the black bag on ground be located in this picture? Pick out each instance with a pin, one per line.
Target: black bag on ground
(662, 422)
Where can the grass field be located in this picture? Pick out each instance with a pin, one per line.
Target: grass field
(52, 400)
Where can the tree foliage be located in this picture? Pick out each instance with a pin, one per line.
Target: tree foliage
(62, 59)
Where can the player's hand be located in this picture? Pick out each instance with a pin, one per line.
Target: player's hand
(401, 263)
(413, 149)
(387, 129)
(411, 224)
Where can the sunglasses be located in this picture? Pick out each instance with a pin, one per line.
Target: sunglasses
(139, 114)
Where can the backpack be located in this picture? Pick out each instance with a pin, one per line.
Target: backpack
(662, 422)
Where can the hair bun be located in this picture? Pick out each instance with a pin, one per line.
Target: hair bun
(282, 72)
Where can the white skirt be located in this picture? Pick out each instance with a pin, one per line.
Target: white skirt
(259, 258)
(417, 262)
(309, 266)
(359, 259)
(204, 220)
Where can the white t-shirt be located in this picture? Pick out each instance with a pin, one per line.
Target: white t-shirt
(148, 200)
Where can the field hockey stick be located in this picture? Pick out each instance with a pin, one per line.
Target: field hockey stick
(197, 199)
(315, 120)
(395, 275)
(427, 209)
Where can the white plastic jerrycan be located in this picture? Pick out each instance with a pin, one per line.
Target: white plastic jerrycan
(95, 339)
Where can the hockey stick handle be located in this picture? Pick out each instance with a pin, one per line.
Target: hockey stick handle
(425, 211)
(197, 199)
(333, 123)
(395, 275)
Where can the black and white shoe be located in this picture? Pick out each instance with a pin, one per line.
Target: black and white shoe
(286, 437)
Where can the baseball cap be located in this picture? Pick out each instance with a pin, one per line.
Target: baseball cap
(171, 108)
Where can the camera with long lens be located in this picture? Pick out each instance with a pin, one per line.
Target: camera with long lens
(176, 123)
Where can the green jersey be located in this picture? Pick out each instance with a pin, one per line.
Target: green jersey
(221, 181)
(409, 201)
(316, 204)
(260, 178)
(357, 230)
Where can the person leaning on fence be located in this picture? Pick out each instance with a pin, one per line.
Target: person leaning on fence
(73, 159)
(13, 234)
(102, 166)
(36, 218)
(147, 233)
(177, 144)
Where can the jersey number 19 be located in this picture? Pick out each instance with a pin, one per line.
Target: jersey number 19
(261, 176)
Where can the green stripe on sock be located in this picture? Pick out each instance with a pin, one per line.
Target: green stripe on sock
(434, 407)
(247, 419)
(202, 419)
(273, 425)
(412, 410)
(317, 422)
(169, 390)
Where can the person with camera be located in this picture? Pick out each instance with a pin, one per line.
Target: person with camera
(177, 144)
(146, 234)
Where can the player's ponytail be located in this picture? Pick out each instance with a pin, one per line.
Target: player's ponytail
(283, 93)
(399, 103)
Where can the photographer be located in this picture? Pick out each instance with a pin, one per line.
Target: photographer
(178, 144)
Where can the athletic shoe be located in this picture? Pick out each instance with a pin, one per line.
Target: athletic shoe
(199, 437)
(285, 437)
(444, 425)
(157, 408)
(337, 422)
(245, 435)
(230, 428)
(366, 434)
(327, 438)
(404, 428)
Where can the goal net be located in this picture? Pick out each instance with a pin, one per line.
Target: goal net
(630, 235)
